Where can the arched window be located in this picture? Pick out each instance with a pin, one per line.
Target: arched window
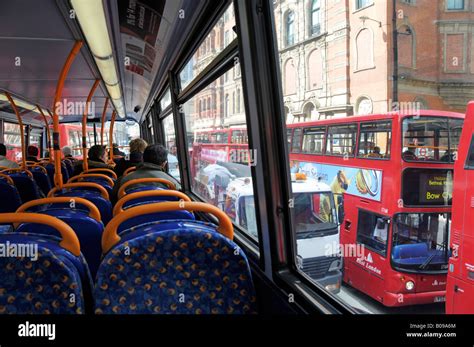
(365, 50)
(290, 77)
(315, 19)
(308, 111)
(315, 70)
(238, 100)
(233, 102)
(290, 28)
(226, 105)
(200, 107)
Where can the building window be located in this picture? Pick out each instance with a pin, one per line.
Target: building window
(233, 102)
(308, 111)
(363, 3)
(455, 5)
(226, 105)
(315, 70)
(290, 77)
(290, 28)
(238, 100)
(315, 17)
(365, 50)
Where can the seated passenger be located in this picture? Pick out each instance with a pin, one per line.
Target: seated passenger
(4, 162)
(32, 153)
(375, 153)
(117, 151)
(448, 156)
(137, 147)
(67, 152)
(155, 158)
(97, 159)
(409, 154)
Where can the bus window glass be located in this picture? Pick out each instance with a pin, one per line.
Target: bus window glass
(170, 144)
(165, 101)
(313, 140)
(430, 138)
(470, 156)
(372, 231)
(419, 241)
(36, 137)
(220, 36)
(341, 140)
(239, 136)
(220, 171)
(296, 142)
(375, 140)
(12, 140)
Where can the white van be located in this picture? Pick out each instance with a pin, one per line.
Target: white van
(315, 220)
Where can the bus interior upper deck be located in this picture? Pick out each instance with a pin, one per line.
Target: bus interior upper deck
(304, 173)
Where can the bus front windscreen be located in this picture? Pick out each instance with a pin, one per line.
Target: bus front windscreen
(431, 138)
(314, 214)
(420, 241)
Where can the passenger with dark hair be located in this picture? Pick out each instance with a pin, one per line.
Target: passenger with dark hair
(32, 153)
(117, 151)
(97, 159)
(137, 147)
(154, 163)
(4, 162)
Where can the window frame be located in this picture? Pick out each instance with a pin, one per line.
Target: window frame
(323, 150)
(354, 144)
(389, 232)
(456, 9)
(469, 164)
(359, 138)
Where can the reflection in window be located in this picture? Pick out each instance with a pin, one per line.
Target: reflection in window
(313, 140)
(315, 17)
(372, 231)
(170, 144)
(203, 56)
(363, 3)
(219, 155)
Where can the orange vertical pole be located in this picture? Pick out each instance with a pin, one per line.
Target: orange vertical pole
(48, 134)
(102, 122)
(111, 138)
(85, 164)
(22, 131)
(58, 177)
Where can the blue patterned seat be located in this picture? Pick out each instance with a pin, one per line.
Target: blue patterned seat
(26, 186)
(10, 198)
(57, 282)
(104, 205)
(174, 267)
(87, 229)
(50, 168)
(41, 179)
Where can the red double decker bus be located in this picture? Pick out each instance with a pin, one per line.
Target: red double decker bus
(460, 287)
(222, 145)
(392, 178)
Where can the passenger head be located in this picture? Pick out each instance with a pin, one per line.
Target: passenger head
(138, 145)
(97, 153)
(156, 154)
(377, 150)
(67, 151)
(3, 149)
(33, 151)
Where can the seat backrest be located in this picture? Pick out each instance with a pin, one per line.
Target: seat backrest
(47, 279)
(10, 198)
(41, 179)
(104, 205)
(181, 269)
(417, 250)
(88, 231)
(69, 167)
(26, 186)
(50, 168)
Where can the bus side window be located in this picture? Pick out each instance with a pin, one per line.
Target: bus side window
(372, 231)
(296, 143)
(470, 156)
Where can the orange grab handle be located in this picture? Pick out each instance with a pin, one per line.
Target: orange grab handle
(93, 210)
(81, 176)
(7, 171)
(110, 237)
(69, 241)
(130, 169)
(7, 178)
(102, 190)
(112, 172)
(127, 184)
(119, 205)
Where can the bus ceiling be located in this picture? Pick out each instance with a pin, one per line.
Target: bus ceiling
(130, 60)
